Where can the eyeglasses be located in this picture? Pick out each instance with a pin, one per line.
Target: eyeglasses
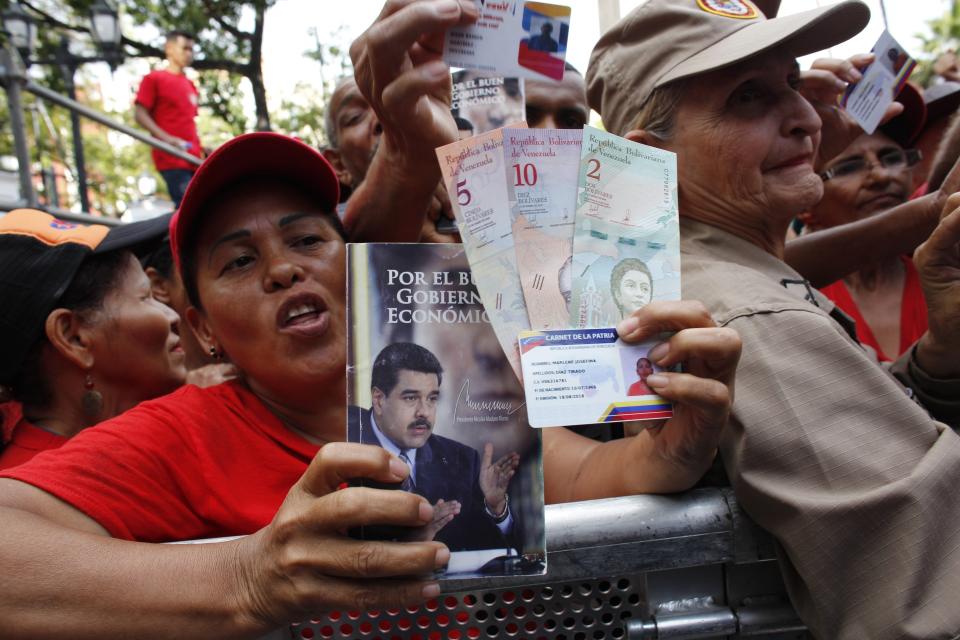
(888, 159)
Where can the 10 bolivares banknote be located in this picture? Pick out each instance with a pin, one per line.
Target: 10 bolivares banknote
(473, 172)
(626, 236)
(541, 176)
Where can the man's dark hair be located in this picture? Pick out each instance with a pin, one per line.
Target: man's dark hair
(159, 256)
(402, 355)
(95, 278)
(569, 67)
(179, 33)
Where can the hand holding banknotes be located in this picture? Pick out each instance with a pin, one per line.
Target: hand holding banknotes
(702, 395)
(822, 85)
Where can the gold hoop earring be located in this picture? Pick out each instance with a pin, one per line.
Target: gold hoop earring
(92, 400)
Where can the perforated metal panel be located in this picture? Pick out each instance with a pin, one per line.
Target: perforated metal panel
(591, 609)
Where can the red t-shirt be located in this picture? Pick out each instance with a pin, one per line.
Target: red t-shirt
(639, 388)
(198, 463)
(913, 311)
(172, 101)
(27, 441)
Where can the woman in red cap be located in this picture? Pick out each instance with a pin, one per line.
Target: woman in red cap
(261, 252)
(262, 255)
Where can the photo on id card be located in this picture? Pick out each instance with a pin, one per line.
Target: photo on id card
(544, 43)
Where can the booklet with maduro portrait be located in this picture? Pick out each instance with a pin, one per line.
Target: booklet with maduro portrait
(429, 382)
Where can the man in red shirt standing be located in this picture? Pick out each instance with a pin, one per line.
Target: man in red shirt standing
(166, 106)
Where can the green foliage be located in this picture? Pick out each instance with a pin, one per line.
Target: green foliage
(302, 114)
(944, 36)
(114, 162)
(228, 37)
(228, 59)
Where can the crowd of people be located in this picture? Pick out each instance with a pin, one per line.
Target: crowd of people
(835, 427)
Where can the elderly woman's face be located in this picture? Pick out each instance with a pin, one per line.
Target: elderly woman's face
(270, 272)
(136, 342)
(745, 141)
(870, 176)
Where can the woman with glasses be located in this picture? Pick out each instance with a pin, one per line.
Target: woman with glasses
(873, 174)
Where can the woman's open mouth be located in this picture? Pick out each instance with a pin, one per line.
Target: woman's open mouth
(304, 314)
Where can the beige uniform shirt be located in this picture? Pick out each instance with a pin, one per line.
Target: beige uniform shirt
(827, 451)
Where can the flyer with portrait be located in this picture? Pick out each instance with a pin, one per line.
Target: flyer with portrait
(428, 381)
(626, 238)
(483, 102)
(512, 38)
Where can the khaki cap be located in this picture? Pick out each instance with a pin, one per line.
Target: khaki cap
(665, 40)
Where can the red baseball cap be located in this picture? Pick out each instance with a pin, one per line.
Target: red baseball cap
(905, 127)
(252, 155)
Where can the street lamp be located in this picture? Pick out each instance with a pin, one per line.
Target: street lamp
(20, 25)
(106, 35)
(105, 29)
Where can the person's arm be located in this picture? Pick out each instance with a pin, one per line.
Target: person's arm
(932, 367)
(399, 70)
(62, 574)
(853, 479)
(825, 256)
(948, 152)
(145, 120)
(671, 455)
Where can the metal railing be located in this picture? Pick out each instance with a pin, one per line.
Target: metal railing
(14, 80)
(690, 565)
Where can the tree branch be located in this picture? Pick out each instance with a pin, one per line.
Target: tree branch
(53, 21)
(232, 66)
(232, 30)
(143, 49)
(229, 28)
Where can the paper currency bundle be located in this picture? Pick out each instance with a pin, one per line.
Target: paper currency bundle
(564, 228)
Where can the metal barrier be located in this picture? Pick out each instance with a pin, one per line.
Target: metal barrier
(690, 565)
